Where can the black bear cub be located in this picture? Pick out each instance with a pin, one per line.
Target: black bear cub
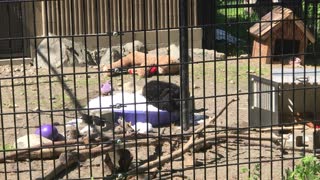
(163, 95)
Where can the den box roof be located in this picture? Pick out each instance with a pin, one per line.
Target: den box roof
(274, 18)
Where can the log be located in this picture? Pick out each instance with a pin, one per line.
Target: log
(35, 152)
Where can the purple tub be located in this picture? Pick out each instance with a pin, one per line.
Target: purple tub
(155, 118)
(133, 102)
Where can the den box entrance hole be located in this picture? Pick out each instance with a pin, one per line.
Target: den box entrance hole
(284, 47)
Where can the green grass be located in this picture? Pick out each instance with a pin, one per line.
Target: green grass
(6, 147)
(229, 71)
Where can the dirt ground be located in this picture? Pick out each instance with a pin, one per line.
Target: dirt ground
(32, 98)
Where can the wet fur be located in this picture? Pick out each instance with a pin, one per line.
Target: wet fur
(163, 95)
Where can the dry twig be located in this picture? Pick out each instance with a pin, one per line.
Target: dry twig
(179, 152)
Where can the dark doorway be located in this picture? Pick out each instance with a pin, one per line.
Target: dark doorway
(207, 10)
(285, 48)
(11, 26)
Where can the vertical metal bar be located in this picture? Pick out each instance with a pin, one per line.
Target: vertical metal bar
(54, 22)
(273, 103)
(169, 53)
(67, 17)
(76, 20)
(60, 25)
(2, 118)
(184, 73)
(102, 16)
(43, 15)
(22, 6)
(62, 18)
(192, 93)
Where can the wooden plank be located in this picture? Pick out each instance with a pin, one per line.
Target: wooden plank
(261, 51)
(269, 21)
(305, 30)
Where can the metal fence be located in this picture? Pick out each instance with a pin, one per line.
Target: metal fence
(159, 89)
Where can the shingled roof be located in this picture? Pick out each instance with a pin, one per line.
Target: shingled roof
(273, 19)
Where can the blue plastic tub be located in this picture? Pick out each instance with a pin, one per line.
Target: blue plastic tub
(156, 118)
(135, 109)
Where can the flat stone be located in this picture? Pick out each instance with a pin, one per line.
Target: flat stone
(34, 140)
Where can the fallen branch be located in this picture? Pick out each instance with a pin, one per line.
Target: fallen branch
(280, 148)
(65, 161)
(179, 152)
(46, 148)
(68, 159)
(212, 120)
(190, 144)
(51, 152)
(297, 127)
(96, 151)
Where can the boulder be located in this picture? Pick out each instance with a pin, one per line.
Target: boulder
(62, 52)
(115, 56)
(161, 51)
(174, 51)
(34, 140)
(97, 56)
(208, 54)
(128, 48)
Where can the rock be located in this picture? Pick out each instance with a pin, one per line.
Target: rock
(208, 54)
(128, 48)
(115, 56)
(197, 51)
(34, 140)
(129, 87)
(244, 56)
(64, 54)
(196, 87)
(12, 106)
(72, 133)
(174, 51)
(161, 52)
(96, 55)
(214, 55)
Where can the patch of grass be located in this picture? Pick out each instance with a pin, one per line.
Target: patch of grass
(6, 147)
(254, 173)
(229, 70)
(82, 81)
